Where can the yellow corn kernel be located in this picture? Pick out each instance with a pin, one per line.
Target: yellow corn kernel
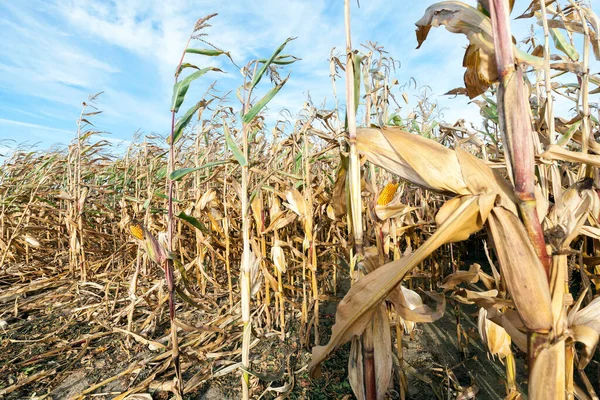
(387, 194)
(137, 230)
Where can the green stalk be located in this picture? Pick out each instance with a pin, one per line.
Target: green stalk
(245, 282)
(168, 264)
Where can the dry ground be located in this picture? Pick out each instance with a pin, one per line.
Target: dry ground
(61, 339)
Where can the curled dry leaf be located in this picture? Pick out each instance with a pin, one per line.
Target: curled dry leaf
(281, 221)
(522, 270)
(430, 165)
(556, 152)
(410, 307)
(493, 335)
(588, 316)
(392, 210)
(206, 199)
(589, 338)
(33, 242)
(139, 396)
(479, 59)
(455, 279)
(584, 327)
(546, 378)
(296, 202)
(485, 299)
(357, 307)
(485, 202)
(565, 220)
(278, 257)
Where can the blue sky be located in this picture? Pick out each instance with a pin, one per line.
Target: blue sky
(53, 54)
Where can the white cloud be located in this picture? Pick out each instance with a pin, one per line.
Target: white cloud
(44, 128)
(60, 51)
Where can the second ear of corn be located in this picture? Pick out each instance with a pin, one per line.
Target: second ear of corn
(387, 194)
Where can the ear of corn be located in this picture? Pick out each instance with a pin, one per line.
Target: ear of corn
(387, 194)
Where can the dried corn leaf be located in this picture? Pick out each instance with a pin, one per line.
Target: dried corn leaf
(356, 375)
(555, 152)
(296, 202)
(588, 316)
(280, 222)
(278, 257)
(587, 336)
(427, 163)
(522, 270)
(393, 210)
(357, 307)
(455, 279)
(382, 343)
(421, 161)
(207, 198)
(547, 376)
(486, 203)
(256, 206)
(513, 325)
(410, 307)
(493, 335)
(479, 58)
(485, 299)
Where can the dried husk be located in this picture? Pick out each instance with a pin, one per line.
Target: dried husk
(522, 270)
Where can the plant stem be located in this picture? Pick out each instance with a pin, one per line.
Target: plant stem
(168, 265)
(547, 76)
(515, 123)
(355, 195)
(245, 266)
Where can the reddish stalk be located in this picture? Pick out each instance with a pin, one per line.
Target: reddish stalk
(515, 124)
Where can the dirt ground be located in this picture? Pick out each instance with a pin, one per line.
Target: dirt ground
(60, 339)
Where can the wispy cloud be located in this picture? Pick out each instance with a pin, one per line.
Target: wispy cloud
(55, 53)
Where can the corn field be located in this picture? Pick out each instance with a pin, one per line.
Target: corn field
(330, 256)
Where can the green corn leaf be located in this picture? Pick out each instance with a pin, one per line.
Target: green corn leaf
(282, 60)
(180, 88)
(357, 61)
(185, 120)
(259, 74)
(192, 221)
(569, 134)
(210, 53)
(249, 116)
(180, 173)
(162, 172)
(206, 52)
(237, 153)
(563, 44)
(184, 66)
(187, 298)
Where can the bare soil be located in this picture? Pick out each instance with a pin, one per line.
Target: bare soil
(59, 340)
